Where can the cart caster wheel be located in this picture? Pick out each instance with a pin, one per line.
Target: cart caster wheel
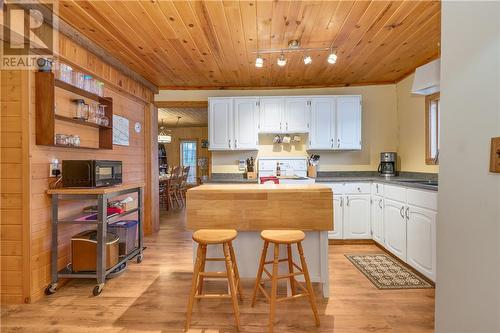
(50, 289)
(97, 290)
(139, 258)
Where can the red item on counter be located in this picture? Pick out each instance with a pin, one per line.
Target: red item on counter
(273, 179)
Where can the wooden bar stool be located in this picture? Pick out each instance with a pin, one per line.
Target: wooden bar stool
(287, 237)
(205, 237)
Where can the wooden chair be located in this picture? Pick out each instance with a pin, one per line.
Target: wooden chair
(173, 191)
(287, 237)
(205, 237)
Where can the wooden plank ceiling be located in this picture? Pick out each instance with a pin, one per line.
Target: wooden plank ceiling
(209, 44)
(190, 117)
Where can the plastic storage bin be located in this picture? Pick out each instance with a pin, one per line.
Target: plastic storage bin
(127, 232)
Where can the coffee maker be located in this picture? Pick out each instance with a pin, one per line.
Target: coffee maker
(387, 166)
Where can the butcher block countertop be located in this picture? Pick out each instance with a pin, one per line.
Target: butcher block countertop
(254, 207)
(261, 188)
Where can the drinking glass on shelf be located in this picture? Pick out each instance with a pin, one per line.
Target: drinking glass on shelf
(86, 111)
(61, 139)
(79, 110)
(65, 73)
(104, 121)
(87, 83)
(93, 110)
(78, 79)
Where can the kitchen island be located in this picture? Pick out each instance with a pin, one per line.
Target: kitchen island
(251, 208)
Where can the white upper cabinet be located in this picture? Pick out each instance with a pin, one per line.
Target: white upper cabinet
(348, 121)
(246, 120)
(220, 123)
(271, 114)
(296, 115)
(322, 128)
(335, 123)
(232, 123)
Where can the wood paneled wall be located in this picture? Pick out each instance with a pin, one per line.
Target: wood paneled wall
(188, 133)
(14, 222)
(26, 208)
(134, 167)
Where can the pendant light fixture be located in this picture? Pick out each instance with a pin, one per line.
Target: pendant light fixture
(163, 135)
(281, 60)
(307, 60)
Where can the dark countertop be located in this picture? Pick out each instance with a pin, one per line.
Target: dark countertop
(401, 181)
(406, 179)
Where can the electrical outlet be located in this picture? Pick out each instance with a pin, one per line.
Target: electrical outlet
(54, 168)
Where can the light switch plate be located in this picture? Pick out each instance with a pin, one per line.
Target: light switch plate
(495, 155)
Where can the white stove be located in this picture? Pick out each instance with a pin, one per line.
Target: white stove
(293, 169)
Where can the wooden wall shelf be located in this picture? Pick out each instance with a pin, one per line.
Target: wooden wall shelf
(45, 98)
(79, 121)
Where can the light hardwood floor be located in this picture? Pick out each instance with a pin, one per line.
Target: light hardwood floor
(152, 297)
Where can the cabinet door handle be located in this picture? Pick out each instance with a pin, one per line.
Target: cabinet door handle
(229, 143)
(347, 201)
(376, 185)
(280, 126)
(407, 213)
(287, 125)
(380, 203)
(332, 143)
(235, 143)
(341, 201)
(401, 211)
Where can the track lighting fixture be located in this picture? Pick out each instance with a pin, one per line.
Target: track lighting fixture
(259, 62)
(281, 60)
(332, 58)
(307, 60)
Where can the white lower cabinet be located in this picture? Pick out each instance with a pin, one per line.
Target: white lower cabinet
(395, 228)
(357, 217)
(403, 220)
(377, 212)
(421, 240)
(338, 217)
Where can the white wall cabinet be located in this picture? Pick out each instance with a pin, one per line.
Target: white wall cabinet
(335, 123)
(271, 114)
(348, 122)
(233, 123)
(357, 217)
(296, 115)
(395, 228)
(322, 131)
(377, 218)
(220, 129)
(246, 118)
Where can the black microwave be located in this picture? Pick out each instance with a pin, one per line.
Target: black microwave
(91, 173)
